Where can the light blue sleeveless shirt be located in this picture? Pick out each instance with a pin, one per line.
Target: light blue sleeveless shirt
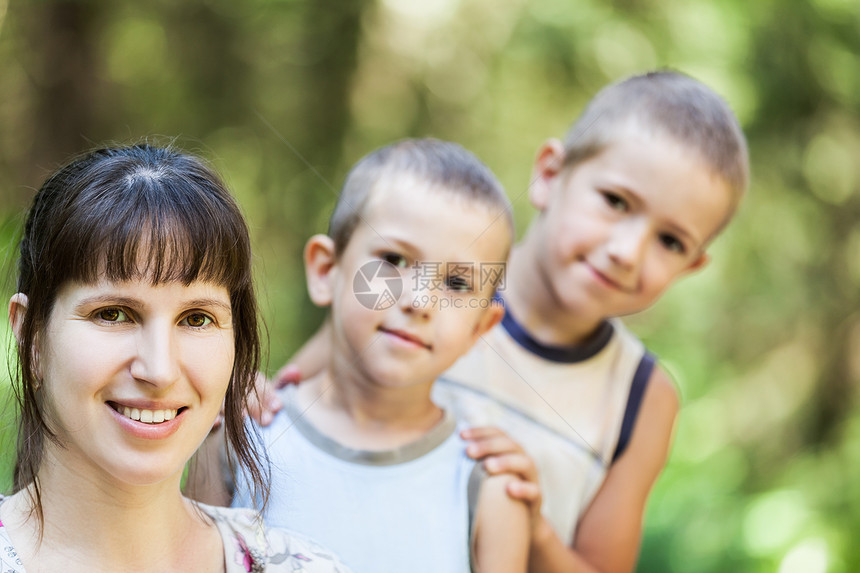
(381, 511)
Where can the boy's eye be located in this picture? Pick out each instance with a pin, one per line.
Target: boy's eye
(398, 261)
(616, 201)
(197, 320)
(458, 283)
(672, 244)
(112, 315)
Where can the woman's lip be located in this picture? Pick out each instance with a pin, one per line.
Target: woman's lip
(142, 404)
(148, 431)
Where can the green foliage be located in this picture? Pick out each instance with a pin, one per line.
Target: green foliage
(283, 96)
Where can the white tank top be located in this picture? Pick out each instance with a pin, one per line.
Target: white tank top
(379, 511)
(565, 406)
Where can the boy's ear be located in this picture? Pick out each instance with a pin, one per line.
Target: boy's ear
(319, 268)
(491, 317)
(548, 164)
(700, 263)
(17, 309)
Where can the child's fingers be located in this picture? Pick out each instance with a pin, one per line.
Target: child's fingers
(527, 492)
(263, 412)
(517, 464)
(263, 403)
(289, 374)
(492, 446)
(480, 432)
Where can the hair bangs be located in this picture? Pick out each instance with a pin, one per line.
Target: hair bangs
(150, 229)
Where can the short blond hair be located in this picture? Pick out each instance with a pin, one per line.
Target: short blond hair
(443, 164)
(668, 103)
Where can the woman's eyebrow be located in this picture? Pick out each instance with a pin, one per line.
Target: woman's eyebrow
(210, 302)
(136, 303)
(108, 299)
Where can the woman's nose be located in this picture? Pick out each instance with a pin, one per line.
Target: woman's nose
(157, 358)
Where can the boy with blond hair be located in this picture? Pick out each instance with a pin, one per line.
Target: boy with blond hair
(362, 459)
(645, 179)
(628, 202)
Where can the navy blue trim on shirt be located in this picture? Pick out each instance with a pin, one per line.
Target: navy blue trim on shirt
(561, 354)
(634, 400)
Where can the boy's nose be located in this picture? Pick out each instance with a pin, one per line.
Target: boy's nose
(417, 298)
(627, 244)
(156, 360)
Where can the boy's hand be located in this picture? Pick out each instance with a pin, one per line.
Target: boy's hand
(263, 403)
(289, 374)
(502, 455)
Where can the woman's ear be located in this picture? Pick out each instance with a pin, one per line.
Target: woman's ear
(17, 309)
(319, 268)
(547, 166)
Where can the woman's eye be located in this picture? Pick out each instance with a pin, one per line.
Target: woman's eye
(458, 283)
(112, 315)
(617, 202)
(398, 261)
(197, 320)
(672, 243)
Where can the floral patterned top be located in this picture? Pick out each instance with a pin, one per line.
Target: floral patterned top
(249, 547)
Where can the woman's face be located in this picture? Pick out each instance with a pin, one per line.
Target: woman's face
(133, 375)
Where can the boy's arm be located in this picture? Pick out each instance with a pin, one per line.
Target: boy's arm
(609, 532)
(311, 358)
(205, 480)
(501, 529)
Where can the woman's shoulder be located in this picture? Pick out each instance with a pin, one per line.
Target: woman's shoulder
(251, 547)
(9, 560)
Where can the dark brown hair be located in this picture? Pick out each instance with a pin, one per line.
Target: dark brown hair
(106, 215)
(442, 164)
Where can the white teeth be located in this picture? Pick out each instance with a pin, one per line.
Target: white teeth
(148, 416)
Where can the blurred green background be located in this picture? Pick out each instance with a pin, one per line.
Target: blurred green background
(284, 95)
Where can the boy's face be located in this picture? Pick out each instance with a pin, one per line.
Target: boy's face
(435, 245)
(618, 228)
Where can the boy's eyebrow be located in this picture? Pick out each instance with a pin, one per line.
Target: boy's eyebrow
(402, 243)
(685, 232)
(685, 235)
(622, 187)
(678, 230)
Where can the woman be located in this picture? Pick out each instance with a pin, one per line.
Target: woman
(135, 319)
